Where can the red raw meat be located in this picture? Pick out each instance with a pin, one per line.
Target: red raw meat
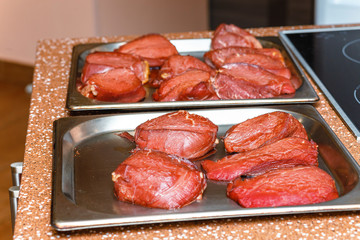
(179, 64)
(90, 69)
(284, 187)
(180, 133)
(269, 59)
(229, 35)
(154, 48)
(99, 62)
(228, 87)
(247, 81)
(115, 85)
(262, 130)
(154, 80)
(158, 180)
(287, 152)
(217, 57)
(185, 87)
(258, 75)
(263, 61)
(201, 91)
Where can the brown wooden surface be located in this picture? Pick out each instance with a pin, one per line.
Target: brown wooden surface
(14, 111)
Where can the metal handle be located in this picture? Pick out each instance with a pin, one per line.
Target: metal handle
(13, 196)
(16, 171)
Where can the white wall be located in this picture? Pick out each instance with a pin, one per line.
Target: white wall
(337, 11)
(24, 22)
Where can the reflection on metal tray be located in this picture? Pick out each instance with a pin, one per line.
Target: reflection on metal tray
(195, 47)
(87, 150)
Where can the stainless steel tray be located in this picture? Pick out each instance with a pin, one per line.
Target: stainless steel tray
(195, 47)
(87, 150)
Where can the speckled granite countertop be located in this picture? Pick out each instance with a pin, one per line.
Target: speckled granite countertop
(50, 83)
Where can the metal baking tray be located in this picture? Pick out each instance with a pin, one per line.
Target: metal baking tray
(87, 150)
(76, 102)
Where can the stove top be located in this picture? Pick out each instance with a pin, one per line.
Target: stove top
(331, 56)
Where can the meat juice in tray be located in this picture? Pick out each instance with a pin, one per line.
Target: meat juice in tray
(83, 192)
(152, 72)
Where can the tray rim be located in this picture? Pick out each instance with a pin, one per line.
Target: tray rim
(74, 98)
(345, 202)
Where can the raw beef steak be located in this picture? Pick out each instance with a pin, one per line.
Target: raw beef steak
(284, 187)
(229, 35)
(287, 152)
(262, 130)
(179, 133)
(155, 179)
(154, 48)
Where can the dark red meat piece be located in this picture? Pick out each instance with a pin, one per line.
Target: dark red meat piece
(180, 133)
(287, 152)
(185, 87)
(228, 87)
(229, 35)
(178, 64)
(158, 180)
(269, 59)
(201, 91)
(90, 69)
(154, 79)
(258, 75)
(217, 57)
(268, 63)
(247, 81)
(154, 48)
(99, 62)
(284, 187)
(115, 85)
(262, 130)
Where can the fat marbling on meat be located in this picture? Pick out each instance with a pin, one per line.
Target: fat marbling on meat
(180, 133)
(155, 179)
(285, 153)
(284, 187)
(262, 130)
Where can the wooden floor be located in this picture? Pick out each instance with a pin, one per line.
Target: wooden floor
(14, 110)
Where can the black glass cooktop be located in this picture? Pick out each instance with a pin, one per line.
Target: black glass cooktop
(332, 58)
